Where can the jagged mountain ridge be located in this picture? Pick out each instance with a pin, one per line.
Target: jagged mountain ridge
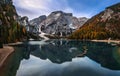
(37, 21)
(102, 26)
(57, 23)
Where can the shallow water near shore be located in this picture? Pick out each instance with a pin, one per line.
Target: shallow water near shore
(65, 58)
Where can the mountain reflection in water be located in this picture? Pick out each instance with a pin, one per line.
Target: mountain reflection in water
(66, 58)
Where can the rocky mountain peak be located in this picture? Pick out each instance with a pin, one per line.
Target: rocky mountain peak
(37, 21)
(57, 23)
(82, 20)
(104, 25)
(110, 12)
(23, 20)
(60, 13)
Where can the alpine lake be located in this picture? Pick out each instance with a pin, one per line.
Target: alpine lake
(60, 57)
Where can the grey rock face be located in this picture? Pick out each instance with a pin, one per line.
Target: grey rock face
(107, 14)
(82, 20)
(57, 23)
(37, 21)
(75, 23)
(24, 22)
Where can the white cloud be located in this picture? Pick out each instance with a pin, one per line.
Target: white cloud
(35, 8)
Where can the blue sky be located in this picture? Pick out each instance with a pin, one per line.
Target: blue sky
(79, 8)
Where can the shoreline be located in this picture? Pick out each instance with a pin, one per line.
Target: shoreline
(108, 41)
(11, 44)
(5, 52)
(5, 55)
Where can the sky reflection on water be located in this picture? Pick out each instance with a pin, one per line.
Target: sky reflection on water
(78, 67)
